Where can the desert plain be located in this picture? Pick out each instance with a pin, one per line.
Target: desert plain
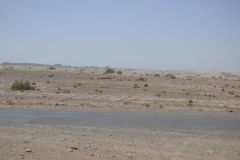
(91, 89)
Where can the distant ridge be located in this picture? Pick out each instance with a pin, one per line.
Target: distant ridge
(34, 65)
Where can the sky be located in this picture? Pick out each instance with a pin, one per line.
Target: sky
(201, 35)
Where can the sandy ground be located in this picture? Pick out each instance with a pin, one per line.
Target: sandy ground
(53, 142)
(90, 89)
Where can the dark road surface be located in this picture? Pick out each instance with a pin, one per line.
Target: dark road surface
(229, 122)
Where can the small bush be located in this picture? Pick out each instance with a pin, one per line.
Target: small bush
(22, 85)
(119, 72)
(109, 71)
(156, 75)
(147, 105)
(98, 91)
(231, 92)
(172, 76)
(66, 91)
(52, 68)
(158, 94)
(145, 85)
(141, 79)
(51, 75)
(136, 86)
(190, 103)
(127, 102)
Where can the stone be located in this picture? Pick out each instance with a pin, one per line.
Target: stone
(28, 150)
(129, 155)
(74, 148)
(70, 150)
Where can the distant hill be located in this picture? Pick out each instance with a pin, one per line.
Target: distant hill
(34, 65)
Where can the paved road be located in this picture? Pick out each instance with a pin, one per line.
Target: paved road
(229, 122)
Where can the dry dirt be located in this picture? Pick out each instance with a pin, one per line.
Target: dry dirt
(53, 142)
(90, 89)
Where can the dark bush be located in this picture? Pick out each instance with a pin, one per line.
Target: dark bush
(172, 76)
(22, 85)
(119, 72)
(52, 68)
(109, 71)
(141, 79)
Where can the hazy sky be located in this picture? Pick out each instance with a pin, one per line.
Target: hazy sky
(152, 34)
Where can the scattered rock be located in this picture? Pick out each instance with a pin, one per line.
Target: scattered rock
(28, 150)
(210, 152)
(70, 150)
(74, 148)
(129, 155)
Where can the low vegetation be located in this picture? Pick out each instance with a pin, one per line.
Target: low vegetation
(109, 71)
(171, 76)
(22, 85)
(119, 72)
(190, 103)
(136, 86)
(51, 68)
(141, 79)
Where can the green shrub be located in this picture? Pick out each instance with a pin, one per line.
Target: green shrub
(147, 105)
(52, 68)
(172, 76)
(136, 86)
(119, 72)
(145, 85)
(190, 103)
(51, 75)
(141, 79)
(160, 106)
(98, 91)
(109, 71)
(66, 91)
(156, 75)
(127, 102)
(158, 94)
(231, 92)
(22, 85)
